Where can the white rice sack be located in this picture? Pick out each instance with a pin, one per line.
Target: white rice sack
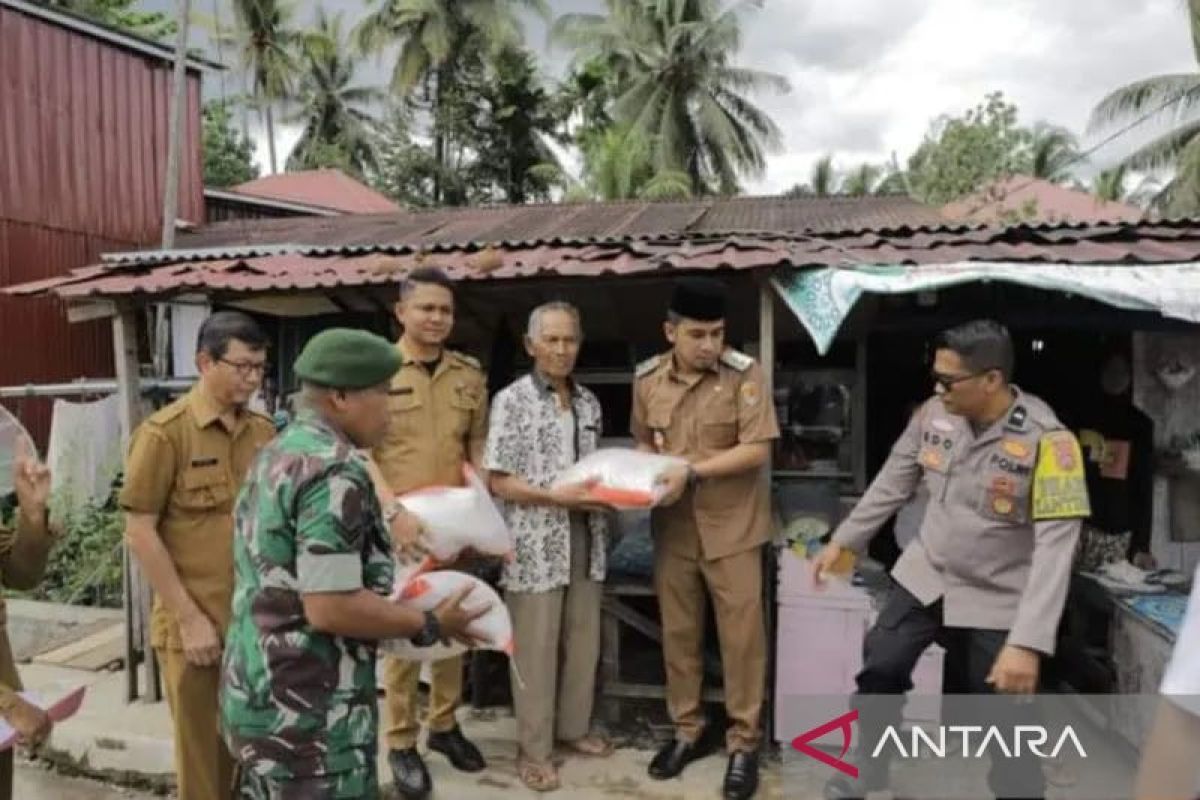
(456, 518)
(623, 478)
(426, 591)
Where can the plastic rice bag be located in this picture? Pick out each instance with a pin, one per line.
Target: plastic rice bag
(456, 518)
(426, 591)
(11, 432)
(623, 478)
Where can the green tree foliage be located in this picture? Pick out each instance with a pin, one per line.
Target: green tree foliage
(338, 126)
(963, 154)
(677, 86)
(228, 155)
(122, 14)
(1172, 98)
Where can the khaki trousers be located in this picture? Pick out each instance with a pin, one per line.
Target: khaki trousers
(204, 769)
(401, 684)
(556, 638)
(735, 585)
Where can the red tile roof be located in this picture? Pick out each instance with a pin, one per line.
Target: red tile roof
(307, 268)
(327, 188)
(1025, 198)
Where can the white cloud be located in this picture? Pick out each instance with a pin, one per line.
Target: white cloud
(869, 75)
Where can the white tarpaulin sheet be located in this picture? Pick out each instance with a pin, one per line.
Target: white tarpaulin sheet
(822, 298)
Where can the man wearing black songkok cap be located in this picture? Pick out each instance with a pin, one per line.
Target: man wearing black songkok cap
(709, 405)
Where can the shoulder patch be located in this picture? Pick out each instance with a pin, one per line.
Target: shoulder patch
(735, 360)
(647, 366)
(470, 361)
(1059, 482)
(1018, 419)
(168, 412)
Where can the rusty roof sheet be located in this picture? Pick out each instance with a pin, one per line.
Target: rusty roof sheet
(575, 222)
(312, 268)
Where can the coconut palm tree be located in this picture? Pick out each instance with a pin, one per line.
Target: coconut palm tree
(266, 43)
(333, 111)
(678, 85)
(863, 180)
(1173, 97)
(1053, 151)
(437, 38)
(617, 165)
(1109, 185)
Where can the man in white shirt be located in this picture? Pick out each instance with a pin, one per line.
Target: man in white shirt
(1169, 769)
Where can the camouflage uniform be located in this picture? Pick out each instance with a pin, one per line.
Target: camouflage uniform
(298, 707)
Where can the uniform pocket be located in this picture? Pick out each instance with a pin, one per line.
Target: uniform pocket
(1004, 498)
(719, 434)
(203, 489)
(404, 412)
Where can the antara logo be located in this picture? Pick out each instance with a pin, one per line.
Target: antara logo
(842, 723)
(977, 742)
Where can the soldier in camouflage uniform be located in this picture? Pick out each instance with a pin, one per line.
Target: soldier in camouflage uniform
(312, 569)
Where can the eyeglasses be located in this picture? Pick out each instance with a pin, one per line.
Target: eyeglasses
(948, 382)
(245, 369)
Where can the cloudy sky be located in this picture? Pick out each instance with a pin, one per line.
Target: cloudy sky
(867, 76)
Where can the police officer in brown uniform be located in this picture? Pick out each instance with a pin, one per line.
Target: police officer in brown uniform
(988, 574)
(24, 548)
(185, 466)
(438, 409)
(711, 406)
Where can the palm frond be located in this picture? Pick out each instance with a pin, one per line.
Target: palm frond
(1173, 94)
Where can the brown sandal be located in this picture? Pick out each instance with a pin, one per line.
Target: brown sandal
(539, 777)
(590, 746)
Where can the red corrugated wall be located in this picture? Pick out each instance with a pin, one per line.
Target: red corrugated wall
(83, 151)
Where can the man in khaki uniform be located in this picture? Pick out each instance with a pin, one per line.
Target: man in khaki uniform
(711, 406)
(185, 466)
(438, 408)
(24, 548)
(988, 574)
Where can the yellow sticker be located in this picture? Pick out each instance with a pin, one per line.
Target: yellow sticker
(1002, 505)
(750, 393)
(931, 459)
(1059, 483)
(1015, 449)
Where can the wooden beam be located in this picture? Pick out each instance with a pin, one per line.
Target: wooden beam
(858, 415)
(136, 589)
(86, 312)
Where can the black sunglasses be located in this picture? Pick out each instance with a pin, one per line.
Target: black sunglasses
(948, 382)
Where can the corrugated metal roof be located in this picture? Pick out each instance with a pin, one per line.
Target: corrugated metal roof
(1034, 198)
(327, 188)
(98, 30)
(323, 268)
(573, 222)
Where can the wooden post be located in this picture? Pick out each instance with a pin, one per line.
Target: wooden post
(766, 332)
(136, 590)
(858, 415)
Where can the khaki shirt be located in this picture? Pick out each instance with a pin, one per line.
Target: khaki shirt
(438, 423)
(696, 418)
(1003, 517)
(24, 551)
(185, 467)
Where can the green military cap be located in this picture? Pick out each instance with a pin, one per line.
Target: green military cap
(344, 358)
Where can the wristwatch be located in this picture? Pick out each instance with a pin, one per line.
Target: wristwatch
(430, 633)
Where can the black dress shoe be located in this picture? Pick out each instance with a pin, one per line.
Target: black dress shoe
(412, 779)
(673, 756)
(741, 776)
(462, 754)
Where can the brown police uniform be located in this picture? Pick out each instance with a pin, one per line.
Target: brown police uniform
(712, 536)
(438, 424)
(24, 549)
(186, 467)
